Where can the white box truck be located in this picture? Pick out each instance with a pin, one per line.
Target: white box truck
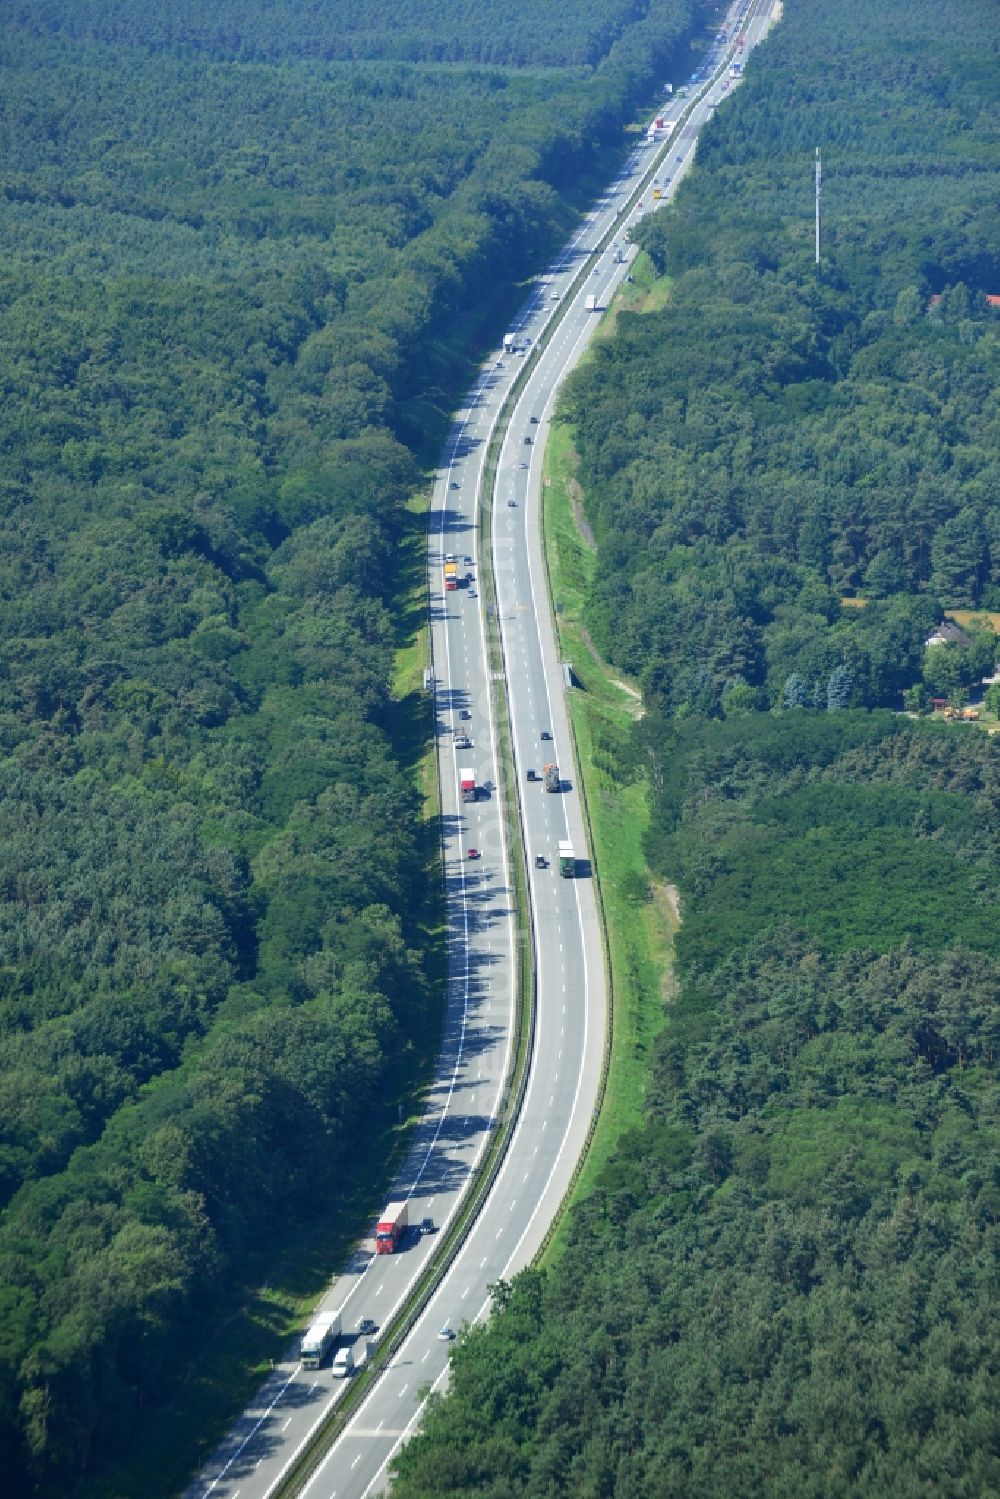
(319, 1339)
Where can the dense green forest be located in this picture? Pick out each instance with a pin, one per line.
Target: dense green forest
(241, 285)
(785, 1282)
(774, 440)
(502, 32)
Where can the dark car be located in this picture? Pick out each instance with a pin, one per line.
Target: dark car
(532, 775)
(540, 861)
(545, 734)
(427, 1226)
(534, 421)
(527, 439)
(367, 1328)
(464, 713)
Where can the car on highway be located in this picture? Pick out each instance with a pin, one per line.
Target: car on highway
(527, 438)
(468, 561)
(473, 594)
(541, 862)
(455, 484)
(367, 1328)
(520, 465)
(545, 735)
(446, 1334)
(464, 713)
(473, 853)
(512, 504)
(427, 1226)
(532, 775)
(534, 421)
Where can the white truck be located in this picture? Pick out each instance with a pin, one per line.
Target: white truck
(592, 304)
(567, 859)
(319, 1339)
(343, 1363)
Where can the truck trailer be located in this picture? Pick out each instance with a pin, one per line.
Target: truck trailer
(450, 576)
(567, 860)
(390, 1228)
(550, 775)
(319, 1339)
(467, 783)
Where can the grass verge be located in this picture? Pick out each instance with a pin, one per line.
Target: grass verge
(640, 917)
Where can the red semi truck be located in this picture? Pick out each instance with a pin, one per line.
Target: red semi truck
(467, 781)
(390, 1228)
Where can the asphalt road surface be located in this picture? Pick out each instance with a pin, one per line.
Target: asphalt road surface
(258, 1451)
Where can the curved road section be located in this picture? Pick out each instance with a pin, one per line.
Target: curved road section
(255, 1458)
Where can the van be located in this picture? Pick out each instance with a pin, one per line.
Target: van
(343, 1363)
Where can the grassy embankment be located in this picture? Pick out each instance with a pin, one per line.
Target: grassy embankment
(640, 914)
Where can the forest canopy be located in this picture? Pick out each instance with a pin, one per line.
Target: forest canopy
(776, 439)
(545, 33)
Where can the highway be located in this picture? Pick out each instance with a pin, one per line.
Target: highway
(255, 1457)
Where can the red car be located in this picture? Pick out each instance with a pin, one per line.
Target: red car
(473, 853)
